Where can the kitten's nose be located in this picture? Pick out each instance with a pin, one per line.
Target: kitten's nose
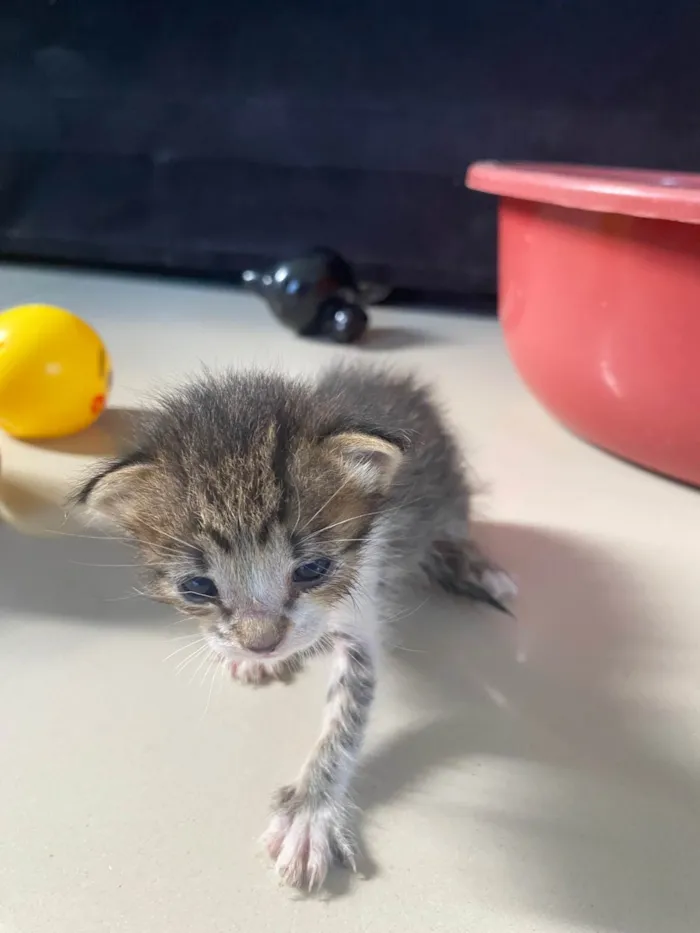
(265, 644)
(261, 634)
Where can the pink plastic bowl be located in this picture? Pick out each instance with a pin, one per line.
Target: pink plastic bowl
(599, 297)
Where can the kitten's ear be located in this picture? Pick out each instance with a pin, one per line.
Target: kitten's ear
(372, 461)
(118, 489)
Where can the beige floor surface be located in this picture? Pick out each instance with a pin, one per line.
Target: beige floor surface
(557, 795)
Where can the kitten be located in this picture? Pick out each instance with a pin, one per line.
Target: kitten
(282, 514)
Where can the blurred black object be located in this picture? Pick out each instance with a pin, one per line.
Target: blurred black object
(215, 136)
(314, 295)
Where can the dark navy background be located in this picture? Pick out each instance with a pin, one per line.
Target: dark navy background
(204, 134)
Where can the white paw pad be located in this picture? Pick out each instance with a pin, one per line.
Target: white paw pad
(304, 840)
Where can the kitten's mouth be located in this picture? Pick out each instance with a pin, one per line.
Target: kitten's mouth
(232, 654)
(266, 654)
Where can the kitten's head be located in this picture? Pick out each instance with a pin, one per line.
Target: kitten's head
(251, 510)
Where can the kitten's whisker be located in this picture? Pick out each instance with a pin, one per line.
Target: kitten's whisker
(117, 599)
(183, 664)
(79, 563)
(167, 548)
(203, 660)
(210, 668)
(396, 647)
(344, 521)
(214, 669)
(407, 613)
(169, 555)
(328, 501)
(354, 518)
(181, 667)
(190, 644)
(135, 592)
(72, 534)
(296, 524)
(172, 537)
(348, 540)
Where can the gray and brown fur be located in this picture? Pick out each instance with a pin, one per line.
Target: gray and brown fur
(241, 478)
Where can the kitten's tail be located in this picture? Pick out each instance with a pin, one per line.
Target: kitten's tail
(459, 567)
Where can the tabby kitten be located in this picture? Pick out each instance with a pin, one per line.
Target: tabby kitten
(283, 514)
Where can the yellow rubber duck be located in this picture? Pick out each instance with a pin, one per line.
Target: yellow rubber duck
(55, 373)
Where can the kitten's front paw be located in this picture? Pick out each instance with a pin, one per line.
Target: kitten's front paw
(260, 673)
(306, 837)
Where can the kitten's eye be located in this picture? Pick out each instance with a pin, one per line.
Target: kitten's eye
(198, 590)
(312, 572)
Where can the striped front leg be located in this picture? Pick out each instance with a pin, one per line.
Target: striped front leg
(310, 826)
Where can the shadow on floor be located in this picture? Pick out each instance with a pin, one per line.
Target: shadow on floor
(81, 576)
(105, 438)
(381, 339)
(607, 832)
